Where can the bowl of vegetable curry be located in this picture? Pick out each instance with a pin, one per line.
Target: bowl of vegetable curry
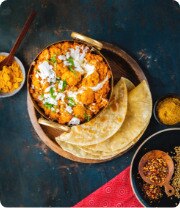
(70, 82)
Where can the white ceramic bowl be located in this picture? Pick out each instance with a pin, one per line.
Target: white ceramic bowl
(3, 95)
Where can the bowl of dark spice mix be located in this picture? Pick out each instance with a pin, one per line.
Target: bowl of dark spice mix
(156, 170)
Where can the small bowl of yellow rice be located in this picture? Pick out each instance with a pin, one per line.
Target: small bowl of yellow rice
(12, 77)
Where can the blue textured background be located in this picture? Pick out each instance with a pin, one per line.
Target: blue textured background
(149, 30)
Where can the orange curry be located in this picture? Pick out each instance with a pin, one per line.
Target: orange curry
(70, 82)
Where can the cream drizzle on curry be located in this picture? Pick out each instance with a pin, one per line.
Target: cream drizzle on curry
(70, 82)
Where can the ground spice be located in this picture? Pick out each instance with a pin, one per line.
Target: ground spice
(152, 192)
(10, 77)
(156, 170)
(176, 178)
(168, 111)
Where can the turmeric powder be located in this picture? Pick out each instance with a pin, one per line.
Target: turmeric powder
(169, 111)
(10, 77)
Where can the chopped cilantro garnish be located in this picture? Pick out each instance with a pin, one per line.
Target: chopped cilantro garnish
(71, 61)
(87, 117)
(71, 66)
(48, 105)
(71, 102)
(52, 92)
(53, 59)
(71, 69)
(64, 85)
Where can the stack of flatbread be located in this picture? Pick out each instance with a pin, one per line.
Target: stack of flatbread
(116, 128)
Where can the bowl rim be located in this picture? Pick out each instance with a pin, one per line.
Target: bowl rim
(136, 152)
(169, 95)
(4, 95)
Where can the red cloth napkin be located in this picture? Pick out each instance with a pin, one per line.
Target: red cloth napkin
(115, 193)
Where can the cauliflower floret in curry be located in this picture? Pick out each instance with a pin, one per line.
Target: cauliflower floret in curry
(87, 97)
(72, 78)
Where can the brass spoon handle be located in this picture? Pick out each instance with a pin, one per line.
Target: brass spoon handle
(53, 125)
(169, 190)
(87, 40)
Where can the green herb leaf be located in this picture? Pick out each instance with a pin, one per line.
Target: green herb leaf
(53, 59)
(64, 85)
(71, 69)
(87, 117)
(71, 61)
(52, 93)
(71, 66)
(48, 105)
(71, 102)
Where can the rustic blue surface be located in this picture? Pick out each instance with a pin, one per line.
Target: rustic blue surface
(30, 173)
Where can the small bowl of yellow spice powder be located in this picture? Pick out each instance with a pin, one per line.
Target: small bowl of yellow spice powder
(167, 110)
(12, 77)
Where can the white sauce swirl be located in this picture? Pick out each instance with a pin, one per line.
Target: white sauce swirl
(100, 85)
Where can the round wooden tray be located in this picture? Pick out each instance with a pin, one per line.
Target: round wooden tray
(122, 65)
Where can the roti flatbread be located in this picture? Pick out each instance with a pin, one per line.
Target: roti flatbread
(103, 126)
(138, 115)
(80, 151)
(117, 152)
(130, 86)
(137, 119)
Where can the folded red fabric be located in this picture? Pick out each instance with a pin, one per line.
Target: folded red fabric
(115, 193)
